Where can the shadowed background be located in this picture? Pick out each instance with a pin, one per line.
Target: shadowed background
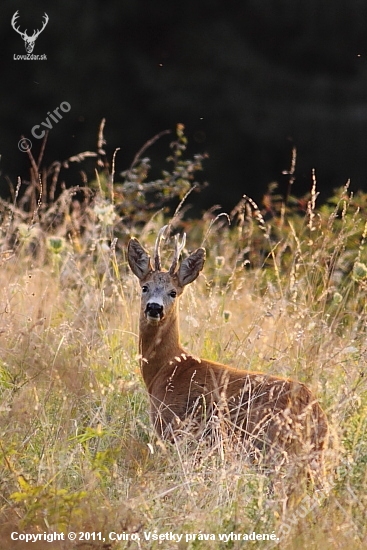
(249, 80)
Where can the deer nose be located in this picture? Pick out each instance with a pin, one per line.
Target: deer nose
(154, 310)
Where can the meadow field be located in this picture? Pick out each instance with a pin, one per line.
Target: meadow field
(283, 291)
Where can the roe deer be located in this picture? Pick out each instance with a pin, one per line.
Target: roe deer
(263, 412)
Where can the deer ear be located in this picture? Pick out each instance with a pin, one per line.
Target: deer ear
(191, 267)
(139, 259)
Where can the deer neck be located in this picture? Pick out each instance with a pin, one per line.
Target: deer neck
(158, 345)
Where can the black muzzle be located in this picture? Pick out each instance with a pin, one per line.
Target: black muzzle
(154, 310)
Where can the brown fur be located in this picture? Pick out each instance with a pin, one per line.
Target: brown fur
(264, 412)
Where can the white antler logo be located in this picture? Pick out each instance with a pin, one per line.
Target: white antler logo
(28, 40)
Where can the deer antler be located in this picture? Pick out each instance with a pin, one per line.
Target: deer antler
(24, 34)
(179, 246)
(157, 256)
(178, 249)
(13, 21)
(43, 26)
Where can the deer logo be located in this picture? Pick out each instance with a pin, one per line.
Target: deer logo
(29, 41)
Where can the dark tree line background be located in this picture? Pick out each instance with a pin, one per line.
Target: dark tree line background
(249, 80)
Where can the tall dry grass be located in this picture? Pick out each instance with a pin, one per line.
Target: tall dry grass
(283, 291)
(77, 448)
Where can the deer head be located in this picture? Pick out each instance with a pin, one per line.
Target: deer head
(29, 41)
(160, 288)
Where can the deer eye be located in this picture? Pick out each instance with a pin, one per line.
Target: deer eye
(173, 294)
(144, 289)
